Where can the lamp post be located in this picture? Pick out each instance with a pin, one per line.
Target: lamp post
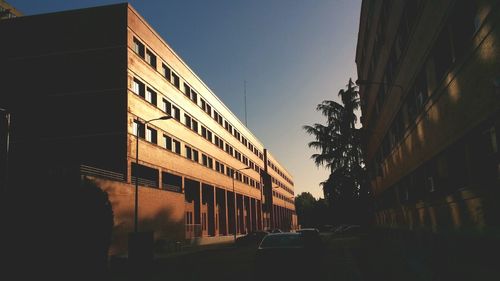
(273, 221)
(7, 147)
(234, 197)
(136, 205)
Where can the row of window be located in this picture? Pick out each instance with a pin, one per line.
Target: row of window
(189, 92)
(141, 89)
(282, 185)
(151, 135)
(282, 197)
(407, 23)
(279, 172)
(451, 45)
(472, 162)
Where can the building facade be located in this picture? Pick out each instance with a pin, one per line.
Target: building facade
(429, 76)
(99, 75)
(7, 11)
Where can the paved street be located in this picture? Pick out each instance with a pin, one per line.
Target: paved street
(230, 263)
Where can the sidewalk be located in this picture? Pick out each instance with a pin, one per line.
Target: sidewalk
(395, 255)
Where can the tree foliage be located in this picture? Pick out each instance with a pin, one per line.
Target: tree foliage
(338, 146)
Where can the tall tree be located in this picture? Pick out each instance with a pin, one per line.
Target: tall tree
(338, 143)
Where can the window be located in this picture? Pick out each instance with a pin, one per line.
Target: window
(151, 58)
(187, 120)
(189, 152)
(207, 134)
(195, 155)
(204, 160)
(167, 73)
(218, 142)
(166, 106)
(194, 126)
(138, 87)
(442, 53)
(176, 113)
(168, 142)
(138, 127)
(203, 131)
(138, 47)
(176, 81)
(208, 110)
(150, 96)
(151, 135)
(194, 96)
(177, 146)
(171, 182)
(187, 90)
(172, 144)
(203, 103)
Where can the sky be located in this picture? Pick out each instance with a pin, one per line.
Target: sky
(292, 53)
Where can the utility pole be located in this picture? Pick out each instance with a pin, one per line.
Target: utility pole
(245, 98)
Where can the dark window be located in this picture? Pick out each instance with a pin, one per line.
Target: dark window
(171, 182)
(442, 53)
(177, 146)
(194, 126)
(176, 81)
(150, 96)
(176, 113)
(189, 152)
(187, 90)
(204, 160)
(187, 120)
(146, 176)
(195, 155)
(138, 87)
(203, 131)
(168, 142)
(462, 26)
(138, 126)
(194, 96)
(151, 135)
(208, 110)
(167, 73)
(138, 47)
(167, 106)
(151, 58)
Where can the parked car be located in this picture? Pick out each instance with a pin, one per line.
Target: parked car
(252, 238)
(349, 229)
(311, 237)
(276, 230)
(291, 250)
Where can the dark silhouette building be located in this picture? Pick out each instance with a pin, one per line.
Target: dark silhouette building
(429, 76)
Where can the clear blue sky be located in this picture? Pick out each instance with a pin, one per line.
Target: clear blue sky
(293, 54)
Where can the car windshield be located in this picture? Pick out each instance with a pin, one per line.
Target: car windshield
(281, 241)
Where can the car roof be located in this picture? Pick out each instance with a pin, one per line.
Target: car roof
(283, 234)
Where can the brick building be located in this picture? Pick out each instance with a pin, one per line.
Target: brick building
(429, 73)
(82, 83)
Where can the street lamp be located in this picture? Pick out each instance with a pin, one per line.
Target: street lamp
(234, 197)
(273, 220)
(7, 147)
(136, 208)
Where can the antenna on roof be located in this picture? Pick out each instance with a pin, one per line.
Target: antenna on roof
(245, 97)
